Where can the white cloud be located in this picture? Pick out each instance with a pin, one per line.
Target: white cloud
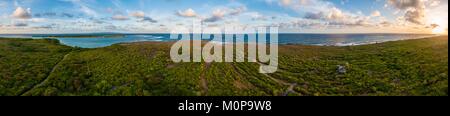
(223, 12)
(187, 13)
(435, 3)
(21, 13)
(88, 11)
(326, 14)
(38, 20)
(376, 13)
(142, 17)
(138, 14)
(120, 17)
(217, 15)
(333, 14)
(306, 5)
(438, 15)
(237, 10)
(256, 16)
(317, 9)
(83, 7)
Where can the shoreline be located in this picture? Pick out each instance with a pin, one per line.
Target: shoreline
(281, 44)
(295, 44)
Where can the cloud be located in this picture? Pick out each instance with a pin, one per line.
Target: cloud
(141, 16)
(376, 13)
(47, 14)
(435, 3)
(314, 16)
(288, 2)
(120, 17)
(336, 18)
(434, 26)
(217, 15)
(83, 7)
(285, 2)
(21, 13)
(306, 5)
(317, 10)
(148, 19)
(187, 13)
(67, 15)
(322, 13)
(415, 16)
(97, 21)
(138, 14)
(38, 20)
(405, 4)
(335, 14)
(385, 23)
(20, 24)
(44, 27)
(257, 16)
(212, 19)
(415, 10)
(53, 14)
(221, 13)
(88, 11)
(237, 10)
(332, 14)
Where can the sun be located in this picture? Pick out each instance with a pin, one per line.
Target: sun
(438, 20)
(439, 26)
(439, 30)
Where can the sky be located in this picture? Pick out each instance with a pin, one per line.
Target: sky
(161, 16)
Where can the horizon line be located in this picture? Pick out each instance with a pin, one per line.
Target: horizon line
(128, 33)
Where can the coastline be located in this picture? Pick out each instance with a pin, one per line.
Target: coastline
(289, 44)
(98, 40)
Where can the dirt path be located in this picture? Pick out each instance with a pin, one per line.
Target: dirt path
(26, 92)
(283, 82)
(203, 81)
(290, 90)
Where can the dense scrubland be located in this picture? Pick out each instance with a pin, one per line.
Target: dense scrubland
(43, 67)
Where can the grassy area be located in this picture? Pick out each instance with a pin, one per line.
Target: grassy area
(25, 63)
(43, 67)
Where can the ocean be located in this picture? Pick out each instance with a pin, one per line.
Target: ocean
(103, 40)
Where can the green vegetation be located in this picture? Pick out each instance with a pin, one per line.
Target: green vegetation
(45, 68)
(26, 62)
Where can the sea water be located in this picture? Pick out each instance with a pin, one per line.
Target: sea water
(303, 39)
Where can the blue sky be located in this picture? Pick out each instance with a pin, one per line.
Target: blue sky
(291, 16)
